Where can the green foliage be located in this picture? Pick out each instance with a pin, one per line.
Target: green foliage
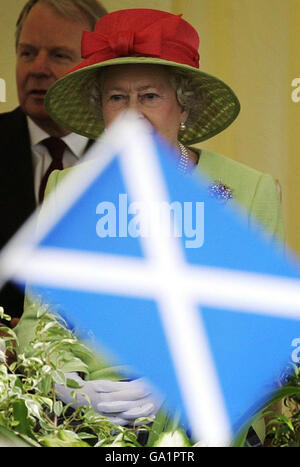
(283, 429)
(30, 413)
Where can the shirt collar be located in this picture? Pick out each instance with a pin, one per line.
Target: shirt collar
(76, 143)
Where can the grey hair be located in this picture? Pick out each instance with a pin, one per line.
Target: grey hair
(75, 10)
(190, 95)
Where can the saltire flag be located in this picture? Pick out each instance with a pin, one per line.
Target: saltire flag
(173, 284)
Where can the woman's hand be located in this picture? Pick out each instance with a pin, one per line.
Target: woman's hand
(122, 402)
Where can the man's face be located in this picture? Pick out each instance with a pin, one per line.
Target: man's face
(48, 47)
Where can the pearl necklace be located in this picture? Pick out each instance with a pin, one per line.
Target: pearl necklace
(184, 158)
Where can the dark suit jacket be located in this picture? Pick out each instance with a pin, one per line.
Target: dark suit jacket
(17, 199)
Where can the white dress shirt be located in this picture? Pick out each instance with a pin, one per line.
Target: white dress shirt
(41, 159)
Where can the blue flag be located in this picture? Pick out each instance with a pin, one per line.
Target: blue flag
(168, 281)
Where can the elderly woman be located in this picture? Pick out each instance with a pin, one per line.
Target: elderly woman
(147, 60)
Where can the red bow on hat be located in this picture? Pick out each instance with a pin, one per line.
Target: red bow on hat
(158, 40)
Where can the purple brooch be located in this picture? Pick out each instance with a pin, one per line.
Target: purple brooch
(220, 191)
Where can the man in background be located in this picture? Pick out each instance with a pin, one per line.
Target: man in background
(48, 44)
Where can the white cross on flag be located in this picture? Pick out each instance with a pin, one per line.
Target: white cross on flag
(172, 283)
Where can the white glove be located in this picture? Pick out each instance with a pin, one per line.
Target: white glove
(122, 402)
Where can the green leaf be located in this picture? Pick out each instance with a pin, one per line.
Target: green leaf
(46, 369)
(282, 419)
(115, 444)
(20, 413)
(83, 435)
(18, 383)
(176, 438)
(59, 377)
(74, 365)
(10, 439)
(45, 427)
(240, 439)
(33, 408)
(64, 438)
(71, 383)
(58, 408)
(162, 423)
(46, 384)
(286, 391)
(3, 315)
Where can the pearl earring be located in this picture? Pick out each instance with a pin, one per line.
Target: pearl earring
(182, 126)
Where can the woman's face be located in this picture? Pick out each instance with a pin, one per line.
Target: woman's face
(146, 89)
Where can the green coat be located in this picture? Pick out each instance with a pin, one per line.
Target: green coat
(257, 193)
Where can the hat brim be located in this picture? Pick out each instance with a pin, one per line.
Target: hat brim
(69, 104)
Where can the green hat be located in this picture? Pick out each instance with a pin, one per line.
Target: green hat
(141, 36)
